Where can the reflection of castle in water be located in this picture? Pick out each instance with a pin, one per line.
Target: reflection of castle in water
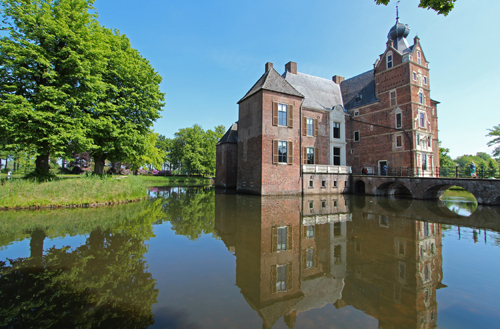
(295, 255)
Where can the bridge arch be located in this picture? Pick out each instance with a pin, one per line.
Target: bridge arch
(359, 187)
(393, 189)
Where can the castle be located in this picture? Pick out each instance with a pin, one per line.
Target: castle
(301, 134)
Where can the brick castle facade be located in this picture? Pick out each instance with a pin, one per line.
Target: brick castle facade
(301, 134)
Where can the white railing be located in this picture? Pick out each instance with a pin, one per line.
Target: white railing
(323, 219)
(325, 169)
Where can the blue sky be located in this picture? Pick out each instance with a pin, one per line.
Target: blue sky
(210, 53)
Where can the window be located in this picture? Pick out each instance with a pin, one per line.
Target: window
(389, 60)
(334, 183)
(336, 156)
(399, 141)
(337, 254)
(429, 141)
(323, 203)
(282, 238)
(402, 270)
(414, 76)
(425, 80)
(422, 120)
(426, 272)
(311, 203)
(310, 232)
(418, 139)
(310, 155)
(401, 248)
(311, 185)
(281, 278)
(356, 113)
(282, 114)
(323, 184)
(356, 136)
(282, 152)
(336, 130)
(393, 98)
(419, 60)
(310, 127)
(310, 258)
(337, 229)
(399, 120)
(335, 203)
(421, 97)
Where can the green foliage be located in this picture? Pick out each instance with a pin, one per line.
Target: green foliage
(194, 149)
(191, 212)
(443, 7)
(495, 134)
(444, 157)
(103, 283)
(151, 154)
(68, 85)
(482, 161)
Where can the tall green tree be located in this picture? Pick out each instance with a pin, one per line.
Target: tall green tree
(443, 7)
(128, 105)
(47, 74)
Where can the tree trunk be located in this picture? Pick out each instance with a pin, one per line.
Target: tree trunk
(36, 246)
(0, 164)
(42, 162)
(99, 164)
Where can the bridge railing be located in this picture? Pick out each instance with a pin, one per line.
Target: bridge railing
(450, 172)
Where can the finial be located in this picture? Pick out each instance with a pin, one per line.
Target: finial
(397, 11)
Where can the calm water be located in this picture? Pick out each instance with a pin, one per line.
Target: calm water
(191, 258)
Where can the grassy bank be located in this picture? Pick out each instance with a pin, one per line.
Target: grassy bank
(18, 193)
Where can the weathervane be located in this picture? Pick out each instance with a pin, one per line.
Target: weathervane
(397, 11)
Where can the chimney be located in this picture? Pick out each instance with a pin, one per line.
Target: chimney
(338, 79)
(291, 67)
(269, 66)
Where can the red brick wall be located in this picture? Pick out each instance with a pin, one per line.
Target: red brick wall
(322, 141)
(226, 165)
(280, 178)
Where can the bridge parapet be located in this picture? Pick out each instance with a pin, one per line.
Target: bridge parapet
(486, 191)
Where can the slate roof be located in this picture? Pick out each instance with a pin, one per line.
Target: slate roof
(231, 135)
(362, 85)
(273, 81)
(319, 93)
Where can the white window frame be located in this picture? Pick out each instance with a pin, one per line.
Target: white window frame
(419, 58)
(282, 108)
(414, 76)
(310, 150)
(393, 101)
(421, 97)
(337, 156)
(400, 125)
(425, 80)
(280, 156)
(309, 126)
(389, 60)
(421, 119)
(400, 137)
(336, 127)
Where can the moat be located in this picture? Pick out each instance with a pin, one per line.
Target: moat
(192, 258)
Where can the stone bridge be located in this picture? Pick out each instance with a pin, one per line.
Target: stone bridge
(486, 191)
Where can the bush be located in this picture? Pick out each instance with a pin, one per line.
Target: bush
(164, 173)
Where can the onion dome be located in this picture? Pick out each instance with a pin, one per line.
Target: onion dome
(399, 30)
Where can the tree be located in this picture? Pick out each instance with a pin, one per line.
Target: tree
(127, 107)
(444, 157)
(151, 154)
(441, 6)
(68, 85)
(495, 133)
(46, 74)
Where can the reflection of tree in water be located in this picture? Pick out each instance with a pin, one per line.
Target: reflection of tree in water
(191, 213)
(101, 284)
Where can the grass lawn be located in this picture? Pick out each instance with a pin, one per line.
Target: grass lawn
(20, 193)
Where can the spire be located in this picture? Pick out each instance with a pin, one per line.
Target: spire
(397, 12)
(398, 33)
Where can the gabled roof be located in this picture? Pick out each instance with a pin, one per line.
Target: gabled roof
(319, 93)
(273, 81)
(359, 90)
(231, 135)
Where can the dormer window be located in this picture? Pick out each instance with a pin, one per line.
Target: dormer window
(389, 60)
(358, 97)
